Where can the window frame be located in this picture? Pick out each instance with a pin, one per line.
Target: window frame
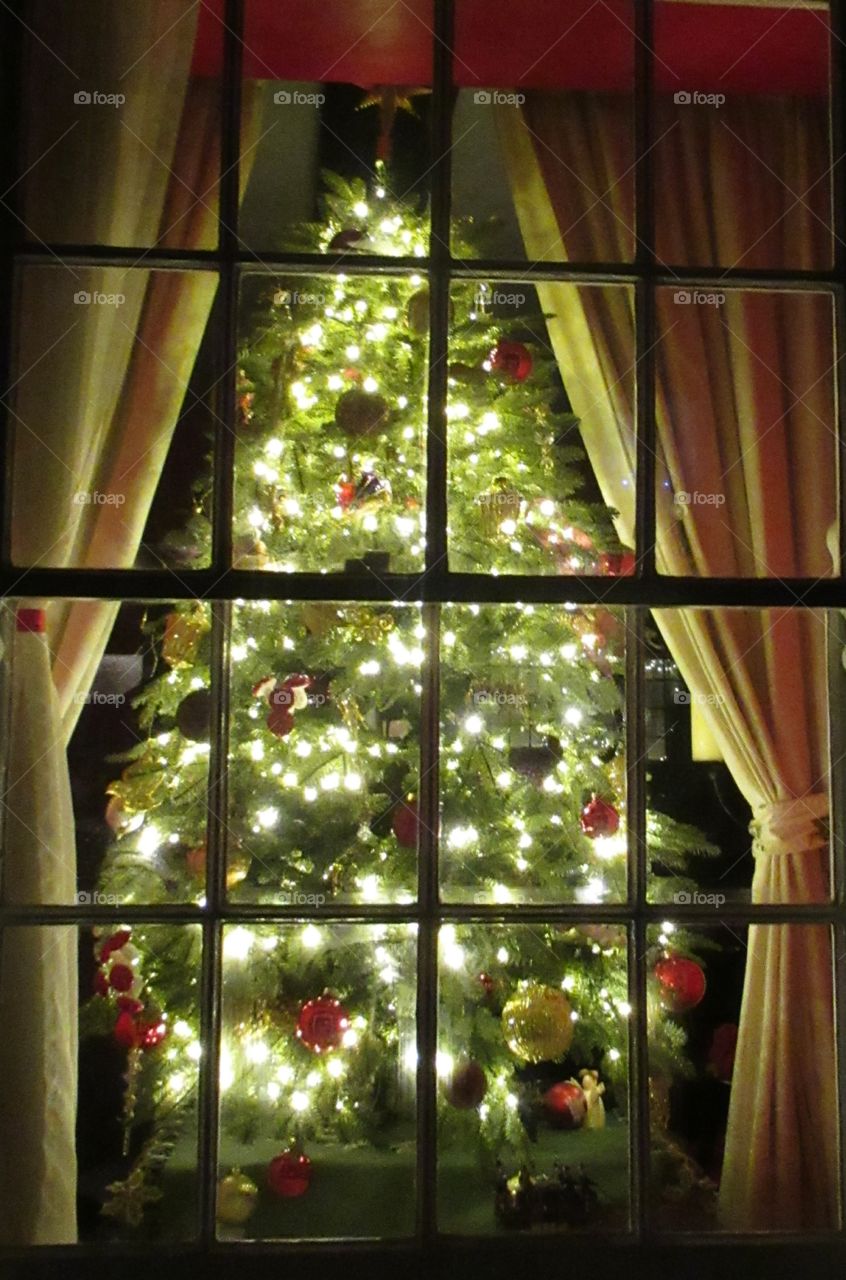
(642, 1248)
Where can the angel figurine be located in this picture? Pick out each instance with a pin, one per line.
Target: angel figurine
(593, 1091)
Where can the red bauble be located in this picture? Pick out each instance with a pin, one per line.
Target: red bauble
(121, 977)
(511, 359)
(114, 943)
(132, 1033)
(565, 1105)
(151, 1034)
(126, 1031)
(599, 818)
(617, 564)
(322, 1023)
(681, 982)
(345, 491)
(289, 1174)
(406, 823)
(466, 1087)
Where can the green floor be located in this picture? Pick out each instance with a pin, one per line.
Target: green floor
(358, 1191)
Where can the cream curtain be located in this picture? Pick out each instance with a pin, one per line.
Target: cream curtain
(744, 409)
(96, 400)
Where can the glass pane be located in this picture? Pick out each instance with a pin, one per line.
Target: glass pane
(112, 417)
(543, 131)
(533, 1066)
(127, 801)
(741, 719)
(324, 753)
(747, 434)
(540, 419)
(533, 777)
(331, 410)
(738, 1142)
(317, 1078)
(742, 148)
(337, 112)
(120, 126)
(100, 1146)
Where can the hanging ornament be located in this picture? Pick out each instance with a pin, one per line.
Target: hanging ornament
(512, 360)
(537, 1024)
(466, 1087)
(135, 1033)
(182, 635)
(361, 413)
(616, 564)
(321, 1023)
(599, 818)
(237, 1196)
(249, 552)
(593, 1091)
(536, 762)
(238, 863)
(370, 625)
(681, 983)
(289, 1174)
(193, 716)
(406, 823)
(139, 787)
(565, 1105)
(499, 504)
(366, 494)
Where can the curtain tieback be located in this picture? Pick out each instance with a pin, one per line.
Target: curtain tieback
(31, 620)
(790, 826)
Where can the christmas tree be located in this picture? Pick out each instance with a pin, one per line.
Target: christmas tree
(319, 1038)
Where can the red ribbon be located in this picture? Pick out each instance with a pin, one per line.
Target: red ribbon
(31, 620)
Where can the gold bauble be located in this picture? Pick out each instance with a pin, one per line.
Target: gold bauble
(138, 787)
(318, 618)
(238, 863)
(537, 1024)
(237, 1196)
(182, 635)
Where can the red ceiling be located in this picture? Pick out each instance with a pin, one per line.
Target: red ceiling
(577, 44)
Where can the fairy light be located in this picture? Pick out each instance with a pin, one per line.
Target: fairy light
(289, 779)
(274, 447)
(285, 1073)
(350, 1038)
(268, 817)
(182, 1029)
(568, 983)
(237, 944)
(273, 1091)
(462, 837)
(353, 352)
(504, 779)
(614, 1055)
(299, 1100)
(335, 1068)
(474, 724)
(330, 781)
(352, 782)
(303, 749)
(149, 841)
(502, 955)
(593, 891)
(624, 1008)
(310, 937)
(257, 1051)
(444, 1064)
(195, 1051)
(370, 384)
(574, 716)
(256, 749)
(238, 652)
(501, 893)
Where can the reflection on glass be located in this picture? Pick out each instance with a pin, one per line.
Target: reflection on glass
(331, 409)
(532, 1069)
(317, 1074)
(324, 752)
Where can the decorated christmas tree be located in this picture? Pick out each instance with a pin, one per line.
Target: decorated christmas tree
(319, 1037)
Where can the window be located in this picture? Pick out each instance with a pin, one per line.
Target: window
(423, 645)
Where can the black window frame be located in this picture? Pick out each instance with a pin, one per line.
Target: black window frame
(642, 1250)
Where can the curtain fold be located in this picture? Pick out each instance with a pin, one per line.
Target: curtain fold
(743, 408)
(102, 421)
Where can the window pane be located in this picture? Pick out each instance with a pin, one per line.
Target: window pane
(738, 747)
(533, 1032)
(331, 407)
(120, 126)
(737, 1144)
(742, 137)
(747, 434)
(119, 816)
(543, 131)
(113, 417)
(118, 1120)
(533, 777)
(349, 98)
(540, 420)
(324, 753)
(317, 1079)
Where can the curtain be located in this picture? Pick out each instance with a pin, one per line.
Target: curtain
(744, 408)
(101, 421)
